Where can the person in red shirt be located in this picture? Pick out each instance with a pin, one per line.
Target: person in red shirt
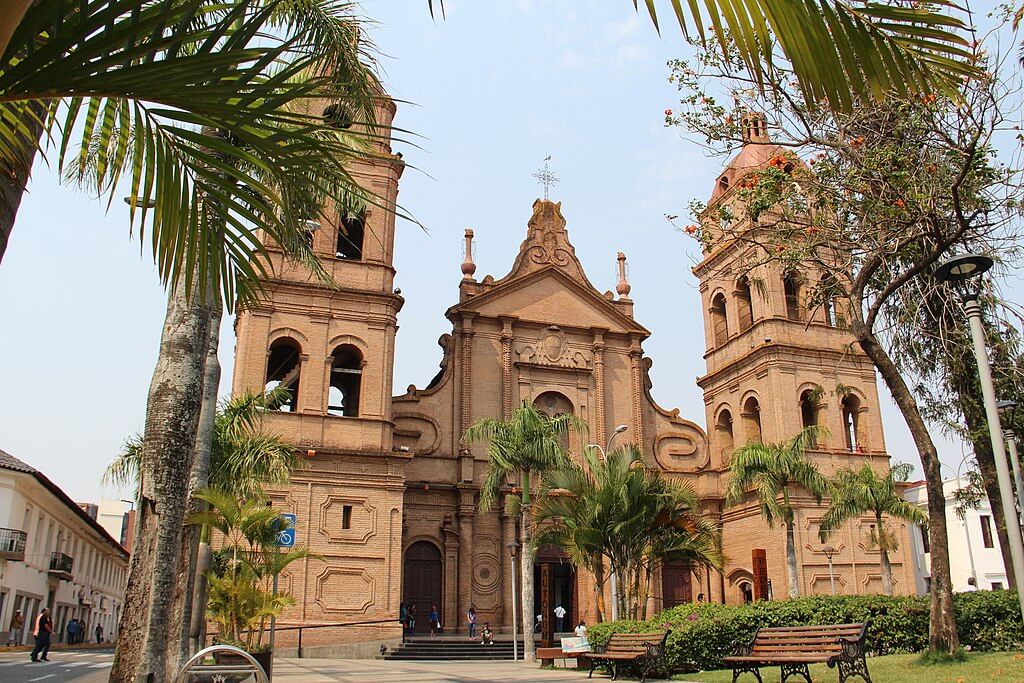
(43, 628)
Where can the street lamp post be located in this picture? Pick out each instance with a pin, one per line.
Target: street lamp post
(829, 552)
(513, 550)
(962, 269)
(613, 577)
(1008, 409)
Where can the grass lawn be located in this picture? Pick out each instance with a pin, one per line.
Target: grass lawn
(981, 666)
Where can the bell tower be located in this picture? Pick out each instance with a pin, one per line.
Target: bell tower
(778, 361)
(332, 349)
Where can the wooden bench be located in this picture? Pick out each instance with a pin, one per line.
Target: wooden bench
(646, 649)
(793, 648)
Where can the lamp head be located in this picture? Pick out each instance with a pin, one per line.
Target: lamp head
(962, 267)
(621, 428)
(829, 551)
(513, 548)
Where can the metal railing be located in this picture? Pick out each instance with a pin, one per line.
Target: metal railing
(12, 544)
(308, 627)
(61, 563)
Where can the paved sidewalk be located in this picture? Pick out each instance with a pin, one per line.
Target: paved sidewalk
(382, 671)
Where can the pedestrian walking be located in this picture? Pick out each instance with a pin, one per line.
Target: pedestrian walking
(99, 633)
(471, 620)
(72, 631)
(17, 623)
(411, 616)
(559, 618)
(435, 620)
(44, 625)
(403, 618)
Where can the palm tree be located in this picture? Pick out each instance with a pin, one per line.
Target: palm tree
(855, 493)
(615, 509)
(245, 459)
(840, 52)
(528, 443)
(240, 597)
(773, 470)
(138, 93)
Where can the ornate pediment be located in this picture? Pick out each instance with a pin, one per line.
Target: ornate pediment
(552, 348)
(547, 243)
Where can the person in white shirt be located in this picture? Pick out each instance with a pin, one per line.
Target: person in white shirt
(581, 631)
(559, 618)
(972, 584)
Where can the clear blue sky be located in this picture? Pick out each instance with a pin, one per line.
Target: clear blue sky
(490, 92)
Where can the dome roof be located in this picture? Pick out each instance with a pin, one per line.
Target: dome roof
(752, 156)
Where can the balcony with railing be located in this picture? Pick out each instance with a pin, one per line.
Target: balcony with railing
(12, 544)
(61, 566)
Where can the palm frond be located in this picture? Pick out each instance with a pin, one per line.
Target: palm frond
(840, 52)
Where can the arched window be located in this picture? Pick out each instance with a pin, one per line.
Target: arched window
(809, 408)
(723, 183)
(828, 299)
(346, 381)
(746, 311)
(851, 422)
(553, 404)
(337, 116)
(351, 231)
(752, 420)
(791, 285)
(719, 321)
(725, 435)
(284, 364)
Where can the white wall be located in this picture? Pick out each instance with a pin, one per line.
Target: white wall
(966, 542)
(96, 592)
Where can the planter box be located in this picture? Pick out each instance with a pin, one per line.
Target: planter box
(265, 659)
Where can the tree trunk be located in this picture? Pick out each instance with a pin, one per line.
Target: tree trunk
(172, 416)
(883, 554)
(189, 596)
(14, 180)
(14, 12)
(526, 572)
(942, 635)
(599, 580)
(794, 579)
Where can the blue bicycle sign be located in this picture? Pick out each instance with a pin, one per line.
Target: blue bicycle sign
(286, 536)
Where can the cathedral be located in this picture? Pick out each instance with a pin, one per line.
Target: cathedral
(388, 499)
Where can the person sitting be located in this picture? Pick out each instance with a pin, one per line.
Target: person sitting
(486, 635)
(581, 630)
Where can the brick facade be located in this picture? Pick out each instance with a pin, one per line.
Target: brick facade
(395, 473)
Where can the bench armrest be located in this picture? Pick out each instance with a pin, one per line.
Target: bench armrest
(853, 648)
(743, 648)
(656, 650)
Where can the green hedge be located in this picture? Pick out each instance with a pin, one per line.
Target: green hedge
(702, 634)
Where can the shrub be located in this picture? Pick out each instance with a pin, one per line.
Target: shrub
(701, 634)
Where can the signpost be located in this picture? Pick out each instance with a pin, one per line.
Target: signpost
(285, 539)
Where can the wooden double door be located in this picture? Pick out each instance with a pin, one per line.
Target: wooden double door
(422, 576)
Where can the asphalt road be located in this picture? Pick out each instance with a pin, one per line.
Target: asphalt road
(85, 667)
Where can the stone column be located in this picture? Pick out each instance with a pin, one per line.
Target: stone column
(600, 430)
(635, 360)
(465, 581)
(450, 591)
(506, 367)
(466, 413)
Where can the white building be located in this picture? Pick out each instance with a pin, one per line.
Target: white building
(52, 554)
(973, 542)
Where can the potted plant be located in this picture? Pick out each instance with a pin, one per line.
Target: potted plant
(240, 600)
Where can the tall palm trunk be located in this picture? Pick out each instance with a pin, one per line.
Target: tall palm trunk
(526, 572)
(794, 579)
(172, 416)
(14, 180)
(190, 593)
(883, 553)
(599, 580)
(942, 635)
